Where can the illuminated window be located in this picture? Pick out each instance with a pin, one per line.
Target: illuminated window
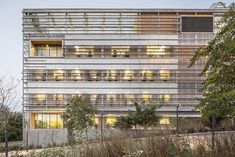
(110, 121)
(164, 74)
(111, 75)
(129, 75)
(146, 75)
(164, 120)
(40, 98)
(156, 50)
(76, 75)
(39, 76)
(146, 98)
(92, 75)
(120, 51)
(128, 98)
(96, 120)
(94, 99)
(47, 121)
(58, 75)
(164, 97)
(58, 97)
(84, 51)
(46, 48)
(111, 99)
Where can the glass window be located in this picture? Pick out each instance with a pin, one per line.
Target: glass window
(38, 121)
(110, 121)
(120, 51)
(164, 120)
(47, 120)
(129, 99)
(129, 75)
(39, 76)
(146, 98)
(92, 75)
(53, 121)
(40, 97)
(111, 75)
(58, 75)
(46, 48)
(164, 74)
(84, 51)
(156, 50)
(164, 97)
(76, 75)
(146, 75)
(111, 99)
(58, 97)
(53, 51)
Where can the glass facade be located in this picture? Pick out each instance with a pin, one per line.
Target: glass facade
(47, 121)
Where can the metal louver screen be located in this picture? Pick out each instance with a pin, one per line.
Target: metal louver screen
(197, 24)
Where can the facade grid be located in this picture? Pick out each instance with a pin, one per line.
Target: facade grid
(116, 56)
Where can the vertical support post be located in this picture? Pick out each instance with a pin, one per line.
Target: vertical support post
(102, 126)
(213, 132)
(177, 119)
(6, 135)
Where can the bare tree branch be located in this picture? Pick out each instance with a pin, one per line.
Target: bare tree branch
(8, 99)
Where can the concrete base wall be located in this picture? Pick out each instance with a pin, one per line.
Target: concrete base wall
(39, 137)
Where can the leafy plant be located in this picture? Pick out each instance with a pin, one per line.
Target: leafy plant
(219, 70)
(79, 115)
(143, 116)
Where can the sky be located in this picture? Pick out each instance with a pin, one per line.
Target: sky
(11, 22)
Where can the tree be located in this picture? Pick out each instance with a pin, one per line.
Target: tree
(79, 115)
(15, 130)
(8, 103)
(144, 115)
(219, 87)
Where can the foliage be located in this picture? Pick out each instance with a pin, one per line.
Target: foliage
(153, 146)
(219, 86)
(125, 122)
(15, 130)
(143, 116)
(79, 114)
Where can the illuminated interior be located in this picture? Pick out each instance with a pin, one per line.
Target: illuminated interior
(164, 74)
(129, 75)
(93, 75)
(40, 97)
(58, 97)
(111, 75)
(47, 121)
(164, 120)
(76, 75)
(96, 120)
(111, 98)
(120, 51)
(165, 97)
(46, 49)
(146, 97)
(39, 76)
(111, 120)
(58, 75)
(129, 99)
(84, 50)
(147, 75)
(156, 50)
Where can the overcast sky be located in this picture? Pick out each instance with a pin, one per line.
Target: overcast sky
(11, 21)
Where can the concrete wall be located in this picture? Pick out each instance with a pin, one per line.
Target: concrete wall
(40, 137)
